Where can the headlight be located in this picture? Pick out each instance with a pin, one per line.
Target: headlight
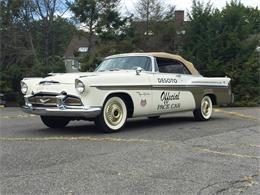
(79, 85)
(24, 87)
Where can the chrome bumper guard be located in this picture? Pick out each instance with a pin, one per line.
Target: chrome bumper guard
(64, 112)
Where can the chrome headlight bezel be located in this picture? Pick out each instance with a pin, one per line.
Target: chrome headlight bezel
(79, 86)
(24, 87)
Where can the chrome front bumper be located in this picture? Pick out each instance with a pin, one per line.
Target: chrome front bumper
(64, 111)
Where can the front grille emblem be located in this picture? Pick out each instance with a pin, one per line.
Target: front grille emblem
(44, 100)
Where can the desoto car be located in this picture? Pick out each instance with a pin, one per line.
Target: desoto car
(125, 86)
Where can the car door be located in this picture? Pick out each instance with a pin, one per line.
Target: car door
(170, 87)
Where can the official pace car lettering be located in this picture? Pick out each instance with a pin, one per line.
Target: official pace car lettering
(167, 98)
(167, 80)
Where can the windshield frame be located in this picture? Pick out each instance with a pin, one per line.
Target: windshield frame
(122, 56)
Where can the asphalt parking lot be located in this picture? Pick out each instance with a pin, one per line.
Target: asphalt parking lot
(173, 155)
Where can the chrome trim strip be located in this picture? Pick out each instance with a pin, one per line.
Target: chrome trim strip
(159, 86)
(188, 86)
(118, 86)
(208, 82)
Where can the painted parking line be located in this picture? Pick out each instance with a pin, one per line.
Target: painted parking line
(238, 114)
(245, 145)
(17, 116)
(83, 138)
(133, 140)
(206, 150)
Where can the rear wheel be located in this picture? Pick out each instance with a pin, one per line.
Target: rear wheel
(113, 116)
(205, 111)
(55, 122)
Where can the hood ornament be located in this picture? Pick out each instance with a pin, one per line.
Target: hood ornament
(48, 82)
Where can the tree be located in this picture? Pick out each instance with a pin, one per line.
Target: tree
(102, 19)
(112, 26)
(87, 12)
(25, 16)
(63, 30)
(222, 43)
(169, 13)
(151, 16)
(149, 10)
(198, 39)
(22, 44)
(46, 10)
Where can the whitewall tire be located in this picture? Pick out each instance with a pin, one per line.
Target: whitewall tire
(113, 116)
(205, 111)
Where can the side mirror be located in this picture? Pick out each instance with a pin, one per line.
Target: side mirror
(138, 70)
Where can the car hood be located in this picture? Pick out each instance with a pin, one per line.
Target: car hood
(68, 78)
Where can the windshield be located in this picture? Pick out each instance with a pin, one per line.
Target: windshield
(125, 63)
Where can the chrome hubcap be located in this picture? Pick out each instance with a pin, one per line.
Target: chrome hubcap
(206, 108)
(114, 113)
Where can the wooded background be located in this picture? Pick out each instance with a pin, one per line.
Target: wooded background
(35, 34)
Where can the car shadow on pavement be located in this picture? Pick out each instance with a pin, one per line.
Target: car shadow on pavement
(152, 123)
(82, 129)
(140, 124)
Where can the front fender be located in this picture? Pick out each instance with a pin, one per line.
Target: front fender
(31, 83)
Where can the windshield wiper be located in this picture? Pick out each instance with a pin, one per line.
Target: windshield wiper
(114, 69)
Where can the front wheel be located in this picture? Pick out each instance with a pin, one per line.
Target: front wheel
(205, 111)
(113, 116)
(55, 122)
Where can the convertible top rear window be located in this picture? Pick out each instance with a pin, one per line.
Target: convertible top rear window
(171, 66)
(126, 63)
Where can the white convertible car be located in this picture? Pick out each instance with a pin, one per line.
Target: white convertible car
(125, 86)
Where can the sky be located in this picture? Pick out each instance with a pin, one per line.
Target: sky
(128, 5)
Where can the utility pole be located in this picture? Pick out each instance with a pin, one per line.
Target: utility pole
(147, 18)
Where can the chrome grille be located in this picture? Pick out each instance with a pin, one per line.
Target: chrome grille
(72, 101)
(50, 100)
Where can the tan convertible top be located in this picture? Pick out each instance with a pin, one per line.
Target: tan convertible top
(188, 64)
